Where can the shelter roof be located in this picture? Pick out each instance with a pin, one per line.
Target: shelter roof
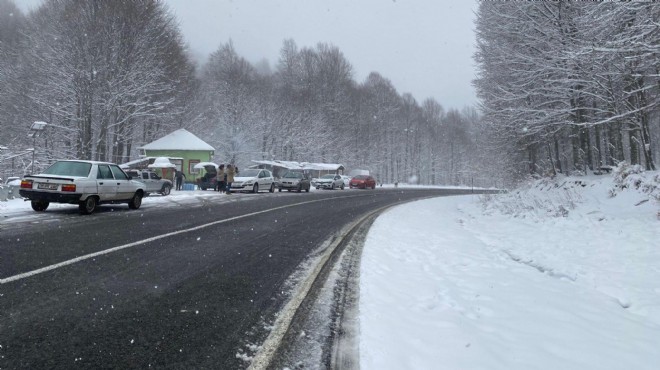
(291, 165)
(180, 139)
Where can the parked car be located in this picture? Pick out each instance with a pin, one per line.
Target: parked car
(330, 181)
(11, 179)
(86, 183)
(153, 182)
(346, 179)
(254, 180)
(363, 182)
(209, 180)
(293, 180)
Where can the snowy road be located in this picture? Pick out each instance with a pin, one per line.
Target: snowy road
(180, 282)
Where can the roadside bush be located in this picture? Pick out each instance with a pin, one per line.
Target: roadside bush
(537, 199)
(628, 176)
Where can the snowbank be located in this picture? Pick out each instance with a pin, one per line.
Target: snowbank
(560, 274)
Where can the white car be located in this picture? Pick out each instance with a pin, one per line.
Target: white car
(12, 180)
(346, 179)
(330, 181)
(86, 183)
(254, 180)
(152, 182)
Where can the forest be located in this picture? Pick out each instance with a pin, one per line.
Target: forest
(564, 87)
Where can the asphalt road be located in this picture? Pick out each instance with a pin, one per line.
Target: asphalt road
(192, 286)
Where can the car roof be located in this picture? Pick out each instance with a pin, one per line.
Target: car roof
(83, 161)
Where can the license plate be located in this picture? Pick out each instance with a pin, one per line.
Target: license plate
(43, 185)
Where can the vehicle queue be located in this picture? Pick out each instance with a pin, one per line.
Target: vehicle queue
(89, 184)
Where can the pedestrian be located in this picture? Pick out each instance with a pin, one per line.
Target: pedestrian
(220, 182)
(230, 173)
(179, 176)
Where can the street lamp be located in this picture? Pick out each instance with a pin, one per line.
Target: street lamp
(35, 131)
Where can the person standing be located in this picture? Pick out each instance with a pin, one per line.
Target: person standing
(179, 176)
(221, 179)
(231, 172)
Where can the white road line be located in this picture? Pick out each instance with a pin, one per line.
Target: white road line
(144, 241)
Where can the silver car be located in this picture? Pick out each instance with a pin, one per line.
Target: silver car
(330, 181)
(294, 181)
(153, 182)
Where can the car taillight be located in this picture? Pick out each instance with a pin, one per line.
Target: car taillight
(68, 187)
(26, 184)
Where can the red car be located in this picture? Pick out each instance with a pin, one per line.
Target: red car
(362, 182)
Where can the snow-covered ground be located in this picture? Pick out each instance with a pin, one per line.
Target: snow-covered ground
(556, 275)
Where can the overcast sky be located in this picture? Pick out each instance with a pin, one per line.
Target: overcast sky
(424, 47)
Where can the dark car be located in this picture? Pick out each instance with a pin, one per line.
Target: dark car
(294, 181)
(209, 180)
(362, 182)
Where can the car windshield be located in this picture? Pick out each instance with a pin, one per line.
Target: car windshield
(328, 177)
(360, 177)
(250, 173)
(80, 169)
(293, 175)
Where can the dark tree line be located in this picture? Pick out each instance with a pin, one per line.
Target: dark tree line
(110, 76)
(570, 86)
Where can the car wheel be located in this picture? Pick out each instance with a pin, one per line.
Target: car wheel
(299, 188)
(272, 188)
(342, 187)
(136, 201)
(87, 206)
(332, 187)
(166, 190)
(39, 205)
(307, 190)
(203, 187)
(255, 188)
(280, 190)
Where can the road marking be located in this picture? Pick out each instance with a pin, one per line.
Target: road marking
(148, 240)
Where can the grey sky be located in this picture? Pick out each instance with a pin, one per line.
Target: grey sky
(424, 47)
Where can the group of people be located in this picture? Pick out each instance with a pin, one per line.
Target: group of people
(225, 178)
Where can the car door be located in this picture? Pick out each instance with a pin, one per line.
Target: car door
(125, 189)
(150, 183)
(265, 179)
(155, 182)
(106, 184)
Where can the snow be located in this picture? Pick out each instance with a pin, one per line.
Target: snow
(180, 139)
(292, 165)
(558, 275)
